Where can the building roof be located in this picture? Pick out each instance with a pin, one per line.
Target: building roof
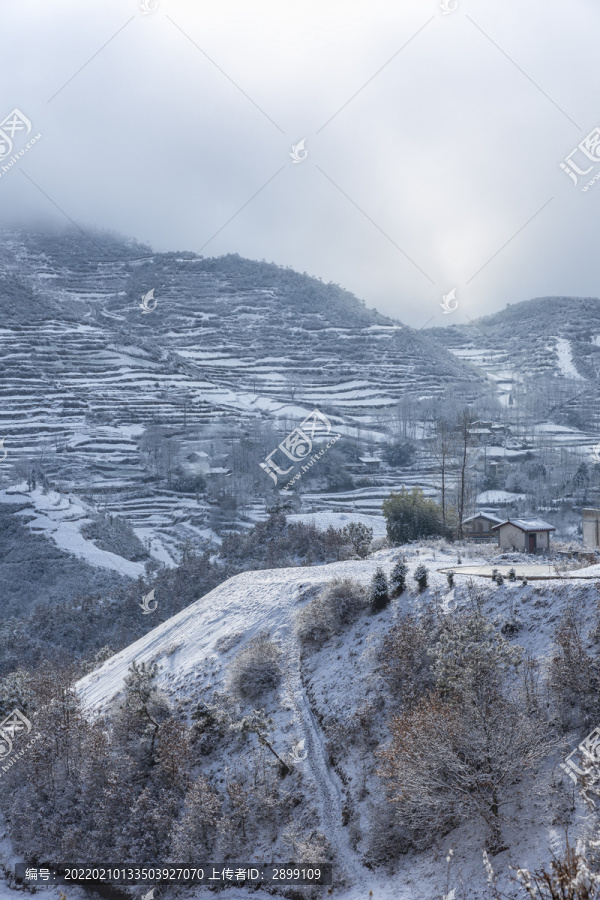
(369, 459)
(527, 524)
(483, 515)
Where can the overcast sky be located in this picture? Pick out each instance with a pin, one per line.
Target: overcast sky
(434, 140)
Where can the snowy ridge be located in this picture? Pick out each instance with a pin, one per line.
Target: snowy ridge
(336, 681)
(247, 603)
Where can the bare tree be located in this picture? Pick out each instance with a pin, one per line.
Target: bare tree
(443, 448)
(294, 385)
(465, 443)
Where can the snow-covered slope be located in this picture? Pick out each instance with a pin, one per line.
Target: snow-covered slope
(334, 683)
(245, 604)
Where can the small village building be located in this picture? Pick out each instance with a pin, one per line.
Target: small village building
(591, 528)
(526, 535)
(197, 463)
(479, 526)
(483, 433)
(371, 463)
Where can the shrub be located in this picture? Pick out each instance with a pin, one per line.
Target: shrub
(574, 876)
(573, 674)
(400, 453)
(378, 593)
(410, 515)
(420, 577)
(336, 607)
(512, 575)
(256, 669)
(450, 577)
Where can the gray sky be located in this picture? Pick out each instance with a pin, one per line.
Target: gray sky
(415, 183)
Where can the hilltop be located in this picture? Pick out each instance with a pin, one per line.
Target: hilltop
(337, 703)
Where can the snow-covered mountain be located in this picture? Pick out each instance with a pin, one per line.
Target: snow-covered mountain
(547, 338)
(231, 343)
(228, 342)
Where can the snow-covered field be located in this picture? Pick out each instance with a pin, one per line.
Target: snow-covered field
(324, 519)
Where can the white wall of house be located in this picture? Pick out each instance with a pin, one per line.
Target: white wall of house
(511, 536)
(480, 527)
(591, 528)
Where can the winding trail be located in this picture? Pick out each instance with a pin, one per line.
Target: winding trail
(329, 797)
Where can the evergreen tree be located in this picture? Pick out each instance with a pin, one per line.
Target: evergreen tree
(398, 578)
(143, 698)
(420, 577)
(378, 595)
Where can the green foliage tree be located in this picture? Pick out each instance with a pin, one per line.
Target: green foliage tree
(410, 515)
(359, 536)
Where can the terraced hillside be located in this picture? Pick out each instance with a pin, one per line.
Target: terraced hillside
(231, 344)
(84, 369)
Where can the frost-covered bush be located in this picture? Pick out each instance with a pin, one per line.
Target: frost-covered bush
(405, 661)
(574, 876)
(256, 669)
(337, 606)
(573, 673)
(387, 838)
(227, 641)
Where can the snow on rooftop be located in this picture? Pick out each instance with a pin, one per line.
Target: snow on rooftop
(529, 524)
(483, 515)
